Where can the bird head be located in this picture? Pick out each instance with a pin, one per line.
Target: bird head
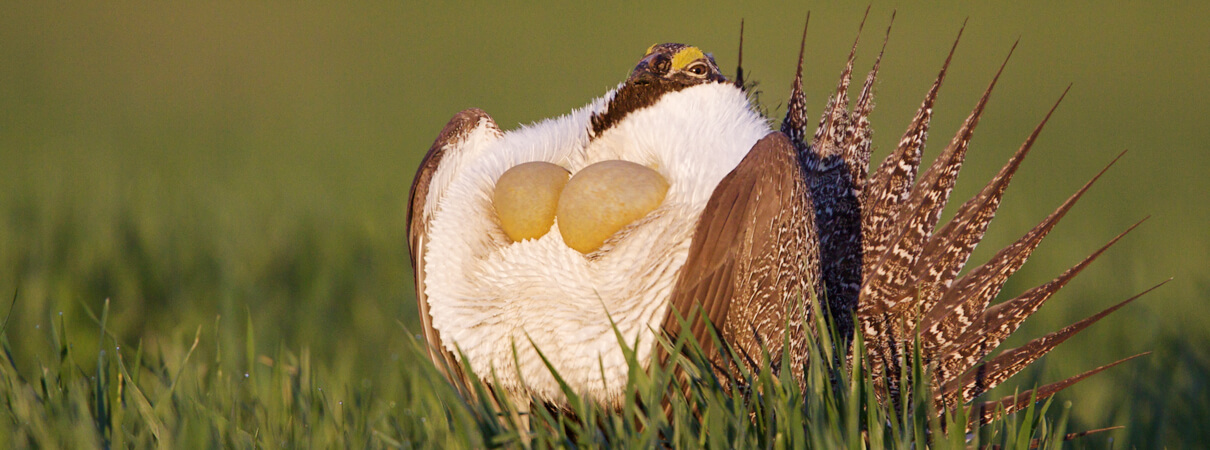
(677, 64)
(664, 68)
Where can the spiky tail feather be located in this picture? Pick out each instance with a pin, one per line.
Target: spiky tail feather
(987, 375)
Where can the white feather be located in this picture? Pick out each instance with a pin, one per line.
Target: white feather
(488, 294)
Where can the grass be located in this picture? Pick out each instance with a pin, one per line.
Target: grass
(170, 396)
(303, 340)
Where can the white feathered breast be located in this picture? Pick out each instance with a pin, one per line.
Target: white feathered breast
(488, 294)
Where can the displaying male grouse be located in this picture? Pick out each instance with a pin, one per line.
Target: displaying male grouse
(670, 195)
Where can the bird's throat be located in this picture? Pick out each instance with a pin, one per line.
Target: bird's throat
(634, 95)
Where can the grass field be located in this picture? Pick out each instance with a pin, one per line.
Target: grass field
(238, 174)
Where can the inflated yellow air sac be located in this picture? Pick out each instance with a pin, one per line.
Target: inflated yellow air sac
(526, 197)
(605, 197)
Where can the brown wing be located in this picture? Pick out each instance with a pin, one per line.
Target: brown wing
(753, 259)
(451, 141)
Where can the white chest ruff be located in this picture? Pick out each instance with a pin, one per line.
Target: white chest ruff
(489, 296)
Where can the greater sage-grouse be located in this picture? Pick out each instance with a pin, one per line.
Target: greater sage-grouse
(671, 195)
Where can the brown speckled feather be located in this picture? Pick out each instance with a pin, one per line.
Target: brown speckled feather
(835, 191)
(986, 376)
(749, 251)
(879, 248)
(857, 148)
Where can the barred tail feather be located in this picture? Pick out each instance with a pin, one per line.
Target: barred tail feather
(990, 374)
(949, 249)
(998, 322)
(966, 300)
(988, 411)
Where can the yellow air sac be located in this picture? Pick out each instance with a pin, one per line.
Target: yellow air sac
(526, 197)
(605, 197)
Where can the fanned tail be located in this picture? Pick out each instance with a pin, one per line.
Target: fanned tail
(883, 256)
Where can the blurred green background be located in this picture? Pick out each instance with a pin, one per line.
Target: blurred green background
(222, 163)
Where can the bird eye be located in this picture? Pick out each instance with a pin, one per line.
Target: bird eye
(698, 69)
